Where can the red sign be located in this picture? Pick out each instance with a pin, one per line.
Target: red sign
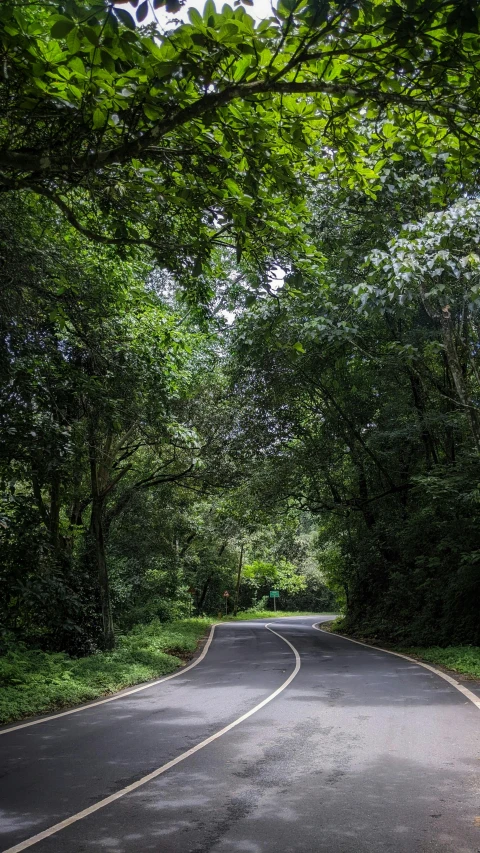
(226, 594)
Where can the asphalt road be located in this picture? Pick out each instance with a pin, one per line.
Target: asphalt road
(361, 753)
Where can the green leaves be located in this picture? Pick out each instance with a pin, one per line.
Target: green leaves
(195, 17)
(241, 67)
(61, 28)
(434, 260)
(283, 575)
(142, 11)
(289, 5)
(209, 12)
(125, 18)
(254, 115)
(99, 119)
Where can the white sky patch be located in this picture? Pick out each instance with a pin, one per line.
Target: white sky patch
(229, 316)
(276, 279)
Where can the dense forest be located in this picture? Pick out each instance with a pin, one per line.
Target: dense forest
(240, 308)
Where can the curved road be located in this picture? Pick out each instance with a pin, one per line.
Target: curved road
(361, 752)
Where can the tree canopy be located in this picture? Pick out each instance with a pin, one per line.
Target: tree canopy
(207, 135)
(240, 315)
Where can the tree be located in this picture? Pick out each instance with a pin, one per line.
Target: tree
(204, 136)
(93, 366)
(282, 575)
(351, 402)
(435, 263)
(209, 157)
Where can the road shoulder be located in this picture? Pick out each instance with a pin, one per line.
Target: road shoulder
(469, 687)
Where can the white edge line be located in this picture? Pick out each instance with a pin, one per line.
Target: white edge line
(6, 731)
(29, 842)
(466, 692)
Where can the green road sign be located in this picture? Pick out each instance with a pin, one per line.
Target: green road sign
(274, 593)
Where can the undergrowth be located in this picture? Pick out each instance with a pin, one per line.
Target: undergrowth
(34, 682)
(464, 659)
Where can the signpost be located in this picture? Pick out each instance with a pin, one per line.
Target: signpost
(274, 593)
(226, 596)
(191, 593)
(239, 577)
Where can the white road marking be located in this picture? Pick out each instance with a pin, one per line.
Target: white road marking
(466, 692)
(198, 660)
(29, 842)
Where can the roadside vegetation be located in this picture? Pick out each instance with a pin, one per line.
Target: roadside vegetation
(462, 659)
(34, 682)
(239, 327)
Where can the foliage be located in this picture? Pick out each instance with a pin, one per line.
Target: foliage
(240, 317)
(170, 139)
(115, 414)
(434, 263)
(282, 575)
(463, 659)
(93, 368)
(364, 411)
(34, 682)
(336, 625)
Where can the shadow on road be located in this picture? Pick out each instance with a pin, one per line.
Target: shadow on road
(363, 753)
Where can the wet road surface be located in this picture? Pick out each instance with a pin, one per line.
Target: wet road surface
(362, 752)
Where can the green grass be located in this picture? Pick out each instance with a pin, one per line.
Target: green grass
(463, 659)
(268, 614)
(336, 625)
(34, 682)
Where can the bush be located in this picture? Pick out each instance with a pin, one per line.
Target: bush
(464, 659)
(33, 681)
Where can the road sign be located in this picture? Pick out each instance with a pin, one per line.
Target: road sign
(274, 593)
(226, 594)
(192, 590)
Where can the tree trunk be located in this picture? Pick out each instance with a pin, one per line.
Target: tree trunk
(98, 540)
(203, 594)
(55, 511)
(458, 377)
(239, 576)
(420, 407)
